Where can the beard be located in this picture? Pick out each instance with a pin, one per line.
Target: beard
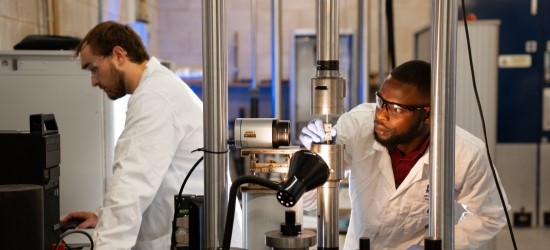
(412, 132)
(118, 88)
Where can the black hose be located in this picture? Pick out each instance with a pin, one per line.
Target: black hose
(232, 199)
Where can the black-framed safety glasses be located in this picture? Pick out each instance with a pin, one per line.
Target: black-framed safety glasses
(396, 109)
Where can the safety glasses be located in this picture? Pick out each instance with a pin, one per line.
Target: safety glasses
(395, 109)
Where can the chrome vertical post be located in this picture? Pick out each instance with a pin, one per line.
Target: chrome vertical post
(276, 58)
(363, 63)
(444, 23)
(215, 119)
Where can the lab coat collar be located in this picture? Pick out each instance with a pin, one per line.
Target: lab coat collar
(152, 64)
(384, 166)
(419, 172)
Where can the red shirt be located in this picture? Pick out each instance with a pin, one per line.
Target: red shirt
(402, 164)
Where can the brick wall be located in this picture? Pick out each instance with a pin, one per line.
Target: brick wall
(175, 29)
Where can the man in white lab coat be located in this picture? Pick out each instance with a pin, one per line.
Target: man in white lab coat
(387, 159)
(153, 154)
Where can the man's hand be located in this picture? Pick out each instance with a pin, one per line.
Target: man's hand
(314, 132)
(86, 219)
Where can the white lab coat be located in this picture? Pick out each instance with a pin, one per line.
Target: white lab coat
(398, 219)
(152, 157)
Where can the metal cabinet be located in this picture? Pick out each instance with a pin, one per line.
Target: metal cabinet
(34, 82)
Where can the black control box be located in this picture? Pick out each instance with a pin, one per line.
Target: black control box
(190, 222)
(33, 157)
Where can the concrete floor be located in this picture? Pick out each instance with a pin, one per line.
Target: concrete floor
(526, 238)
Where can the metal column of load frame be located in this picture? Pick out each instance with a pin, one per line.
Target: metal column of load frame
(327, 95)
(363, 62)
(215, 119)
(444, 23)
(276, 35)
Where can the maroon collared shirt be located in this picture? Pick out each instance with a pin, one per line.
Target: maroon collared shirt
(402, 164)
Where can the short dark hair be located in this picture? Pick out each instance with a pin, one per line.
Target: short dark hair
(106, 35)
(416, 73)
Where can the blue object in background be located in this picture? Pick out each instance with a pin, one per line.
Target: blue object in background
(239, 102)
(519, 89)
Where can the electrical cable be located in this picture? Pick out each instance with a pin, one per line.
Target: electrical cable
(65, 234)
(391, 32)
(484, 127)
(178, 199)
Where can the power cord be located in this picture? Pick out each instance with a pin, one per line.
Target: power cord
(65, 234)
(483, 125)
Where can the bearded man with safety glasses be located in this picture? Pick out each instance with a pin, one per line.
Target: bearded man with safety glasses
(387, 162)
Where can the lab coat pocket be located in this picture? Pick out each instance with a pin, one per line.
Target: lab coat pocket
(417, 219)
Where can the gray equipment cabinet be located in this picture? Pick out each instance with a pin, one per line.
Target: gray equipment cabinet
(52, 82)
